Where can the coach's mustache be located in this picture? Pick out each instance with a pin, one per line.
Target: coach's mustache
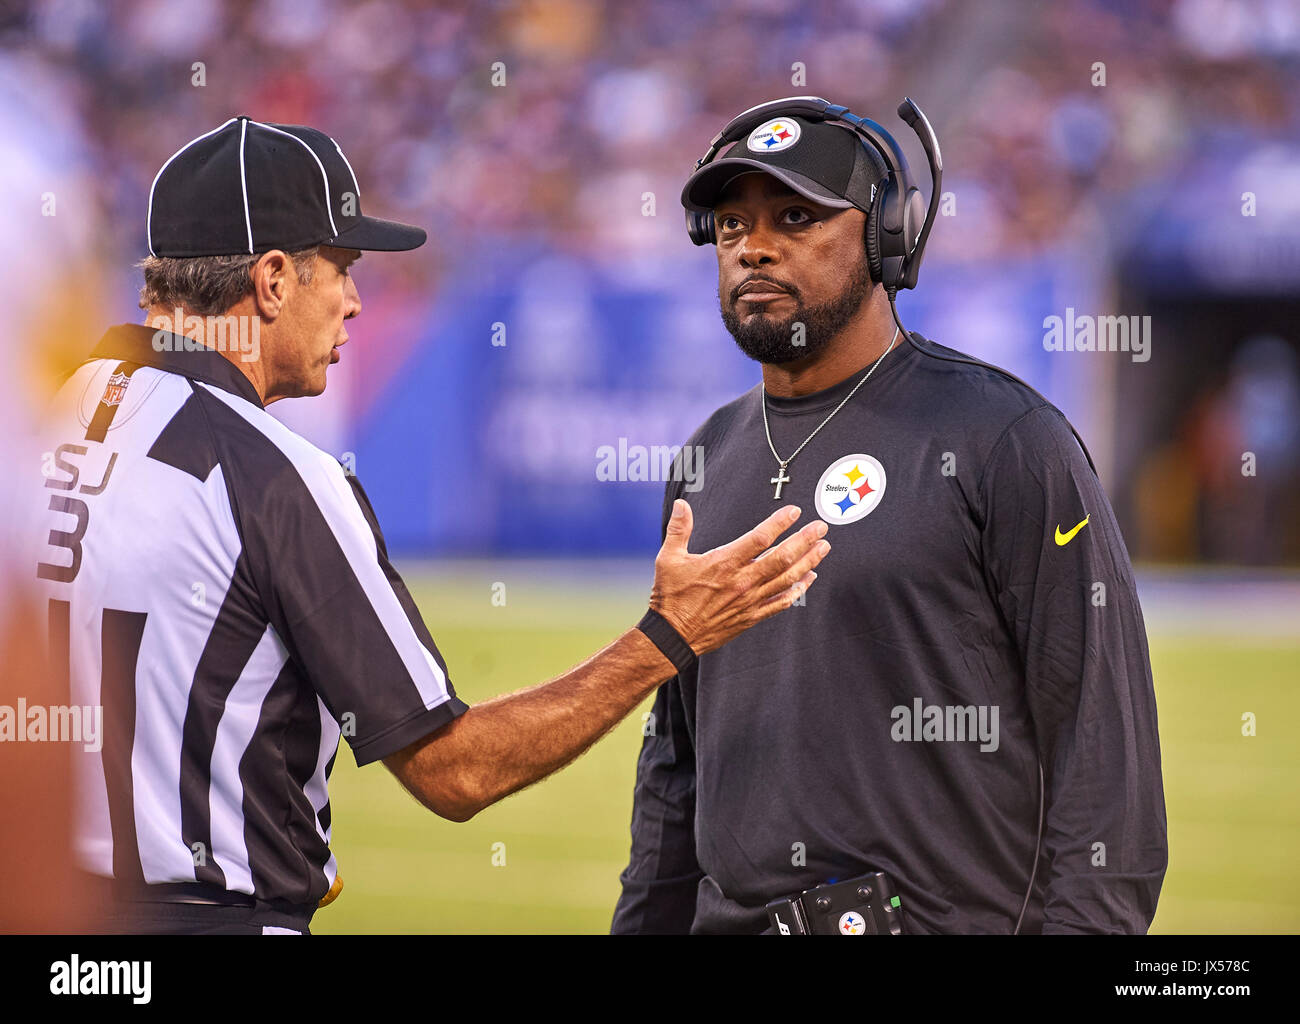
(735, 292)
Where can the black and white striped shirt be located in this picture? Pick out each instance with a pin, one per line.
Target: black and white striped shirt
(221, 587)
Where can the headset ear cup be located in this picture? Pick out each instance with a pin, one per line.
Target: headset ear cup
(700, 227)
(888, 247)
(873, 238)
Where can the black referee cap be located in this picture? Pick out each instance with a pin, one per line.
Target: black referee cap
(249, 187)
(826, 163)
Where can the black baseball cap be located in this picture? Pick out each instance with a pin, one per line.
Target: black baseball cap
(827, 163)
(249, 187)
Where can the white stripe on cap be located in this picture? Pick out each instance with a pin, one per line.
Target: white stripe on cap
(148, 219)
(356, 185)
(243, 184)
(324, 176)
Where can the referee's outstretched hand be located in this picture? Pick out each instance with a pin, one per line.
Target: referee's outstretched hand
(503, 744)
(713, 597)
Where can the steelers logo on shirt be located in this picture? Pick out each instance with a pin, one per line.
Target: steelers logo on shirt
(850, 489)
(774, 136)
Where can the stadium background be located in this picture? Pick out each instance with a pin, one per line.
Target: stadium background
(551, 203)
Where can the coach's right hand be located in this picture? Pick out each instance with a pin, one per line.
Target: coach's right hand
(713, 597)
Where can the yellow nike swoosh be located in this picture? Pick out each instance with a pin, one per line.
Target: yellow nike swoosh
(1063, 539)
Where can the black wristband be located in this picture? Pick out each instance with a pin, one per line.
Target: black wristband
(664, 635)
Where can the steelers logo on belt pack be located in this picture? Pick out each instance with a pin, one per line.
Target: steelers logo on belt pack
(852, 924)
(850, 489)
(774, 136)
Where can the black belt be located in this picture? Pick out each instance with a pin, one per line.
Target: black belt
(109, 891)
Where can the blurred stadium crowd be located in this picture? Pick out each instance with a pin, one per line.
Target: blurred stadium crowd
(604, 102)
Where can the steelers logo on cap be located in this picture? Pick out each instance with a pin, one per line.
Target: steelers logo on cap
(774, 136)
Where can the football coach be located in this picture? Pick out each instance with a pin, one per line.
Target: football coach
(221, 588)
(961, 717)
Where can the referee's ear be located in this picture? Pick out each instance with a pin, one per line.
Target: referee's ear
(270, 282)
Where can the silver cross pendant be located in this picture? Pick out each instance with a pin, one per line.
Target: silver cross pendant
(780, 480)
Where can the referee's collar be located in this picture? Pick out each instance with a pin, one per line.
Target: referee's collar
(174, 353)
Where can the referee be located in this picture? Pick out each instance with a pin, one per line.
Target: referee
(222, 589)
(977, 623)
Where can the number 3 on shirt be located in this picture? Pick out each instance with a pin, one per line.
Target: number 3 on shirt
(70, 539)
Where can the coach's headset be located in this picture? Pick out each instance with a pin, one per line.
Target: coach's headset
(895, 245)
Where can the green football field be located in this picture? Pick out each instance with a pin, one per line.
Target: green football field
(547, 860)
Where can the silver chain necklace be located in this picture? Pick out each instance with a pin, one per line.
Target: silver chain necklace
(781, 479)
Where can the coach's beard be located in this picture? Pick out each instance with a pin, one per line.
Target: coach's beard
(768, 339)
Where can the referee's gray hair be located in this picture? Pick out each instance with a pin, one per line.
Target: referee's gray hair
(209, 285)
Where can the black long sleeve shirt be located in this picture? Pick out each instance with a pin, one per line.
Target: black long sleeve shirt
(963, 628)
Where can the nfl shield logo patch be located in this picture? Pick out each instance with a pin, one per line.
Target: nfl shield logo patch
(115, 389)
